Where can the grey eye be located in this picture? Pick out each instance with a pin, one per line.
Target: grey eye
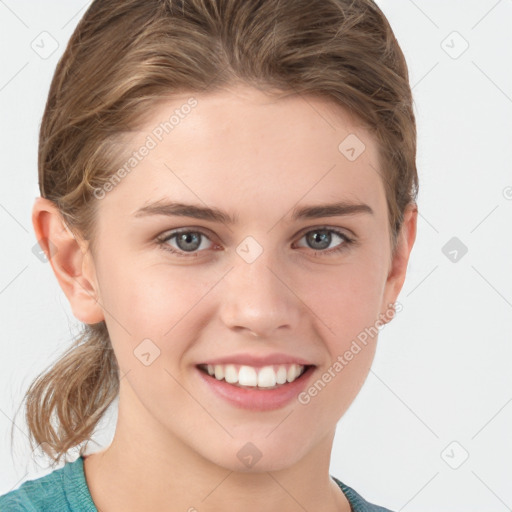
(189, 241)
(319, 239)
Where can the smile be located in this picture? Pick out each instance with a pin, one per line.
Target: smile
(266, 377)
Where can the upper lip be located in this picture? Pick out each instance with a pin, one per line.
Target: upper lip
(258, 360)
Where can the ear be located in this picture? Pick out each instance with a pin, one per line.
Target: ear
(398, 266)
(70, 259)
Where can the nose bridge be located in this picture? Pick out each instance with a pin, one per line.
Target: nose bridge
(255, 294)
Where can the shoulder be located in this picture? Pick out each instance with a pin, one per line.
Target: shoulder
(63, 490)
(357, 502)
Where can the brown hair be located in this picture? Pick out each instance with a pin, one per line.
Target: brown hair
(127, 55)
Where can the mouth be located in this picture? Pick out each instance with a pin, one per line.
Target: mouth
(267, 377)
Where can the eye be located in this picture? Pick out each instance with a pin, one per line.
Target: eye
(187, 241)
(190, 243)
(320, 239)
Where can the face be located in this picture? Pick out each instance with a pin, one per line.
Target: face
(273, 282)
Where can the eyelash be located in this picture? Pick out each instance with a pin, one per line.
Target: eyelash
(162, 241)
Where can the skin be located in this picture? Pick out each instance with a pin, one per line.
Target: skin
(242, 151)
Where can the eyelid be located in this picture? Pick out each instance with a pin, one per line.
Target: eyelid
(348, 240)
(170, 234)
(344, 231)
(185, 229)
(208, 233)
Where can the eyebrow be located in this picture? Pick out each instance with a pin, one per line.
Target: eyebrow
(172, 208)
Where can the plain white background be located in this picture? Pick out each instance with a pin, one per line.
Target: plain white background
(431, 427)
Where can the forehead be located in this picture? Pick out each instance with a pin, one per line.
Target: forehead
(245, 145)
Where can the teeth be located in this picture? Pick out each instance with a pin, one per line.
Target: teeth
(218, 372)
(281, 375)
(265, 377)
(231, 375)
(247, 376)
(292, 373)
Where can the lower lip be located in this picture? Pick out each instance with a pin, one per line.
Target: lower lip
(258, 399)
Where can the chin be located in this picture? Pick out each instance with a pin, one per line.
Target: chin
(256, 456)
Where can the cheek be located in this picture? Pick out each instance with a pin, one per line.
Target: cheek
(336, 386)
(149, 300)
(346, 298)
(157, 303)
(347, 304)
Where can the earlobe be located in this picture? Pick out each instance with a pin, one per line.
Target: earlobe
(70, 260)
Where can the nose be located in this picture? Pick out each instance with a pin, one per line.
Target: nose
(258, 298)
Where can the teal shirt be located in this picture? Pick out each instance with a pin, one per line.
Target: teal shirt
(65, 490)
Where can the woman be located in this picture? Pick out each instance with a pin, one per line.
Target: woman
(228, 201)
